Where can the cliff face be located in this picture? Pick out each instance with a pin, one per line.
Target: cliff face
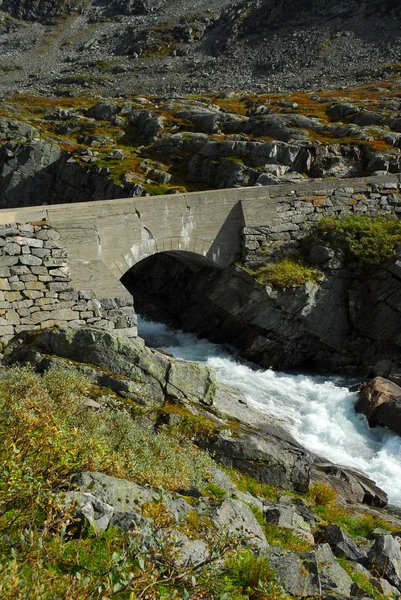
(348, 322)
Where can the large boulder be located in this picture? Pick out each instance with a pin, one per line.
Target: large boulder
(352, 486)
(11, 129)
(380, 401)
(341, 543)
(315, 573)
(239, 520)
(89, 508)
(385, 559)
(271, 456)
(146, 375)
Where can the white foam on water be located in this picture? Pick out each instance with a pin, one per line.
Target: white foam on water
(317, 411)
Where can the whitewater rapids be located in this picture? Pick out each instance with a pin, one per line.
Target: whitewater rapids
(318, 411)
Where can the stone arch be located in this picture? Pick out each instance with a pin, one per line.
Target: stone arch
(166, 274)
(150, 246)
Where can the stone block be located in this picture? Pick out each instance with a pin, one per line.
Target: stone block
(53, 245)
(86, 294)
(60, 286)
(86, 314)
(26, 228)
(12, 249)
(4, 284)
(34, 242)
(8, 261)
(40, 252)
(47, 301)
(12, 317)
(39, 270)
(7, 230)
(48, 323)
(284, 228)
(27, 303)
(4, 271)
(20, 270)
(65, 314)
(49, 261)
(17, 286)
(35, 285)
(28, 259)
(63, 272)
(59, 253)
(6, 330)
(62, 305)
(69, 296)
(13, 296)
(32, 294)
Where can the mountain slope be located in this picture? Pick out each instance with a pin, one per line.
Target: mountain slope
(132, 46)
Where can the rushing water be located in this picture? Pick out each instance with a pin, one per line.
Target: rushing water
(317, 411)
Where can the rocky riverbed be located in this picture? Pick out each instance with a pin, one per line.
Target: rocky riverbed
(172, 391)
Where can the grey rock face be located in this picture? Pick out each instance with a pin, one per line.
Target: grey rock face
(97, 513)
(125, 496)
(346, 320)
(385, 559)
(285, 515)
(240, 521)
(272, 456)
(34, 171)
(11, 129)
(341, 543)
(351, 485)
(315, 573)
(149, 376)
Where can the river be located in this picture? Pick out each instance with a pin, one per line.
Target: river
(318, 411)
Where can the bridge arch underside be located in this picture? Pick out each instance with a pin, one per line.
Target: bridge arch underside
(165, 282)
(216, 253)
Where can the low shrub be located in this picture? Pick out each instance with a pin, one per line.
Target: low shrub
(322, 494)
(288, 272)
(47, 435)
(370, 240)
(249, 577)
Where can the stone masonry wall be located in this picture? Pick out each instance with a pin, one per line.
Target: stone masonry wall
(296, 213)
(36, 291)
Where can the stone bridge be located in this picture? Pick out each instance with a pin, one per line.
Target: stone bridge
(104, 239)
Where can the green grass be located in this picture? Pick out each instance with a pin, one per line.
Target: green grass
(280, 536)
(285, 538)
(370, 240)
(324, 500)
(288, 272)
(246, 483)
(246, 577)
(9, 69)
